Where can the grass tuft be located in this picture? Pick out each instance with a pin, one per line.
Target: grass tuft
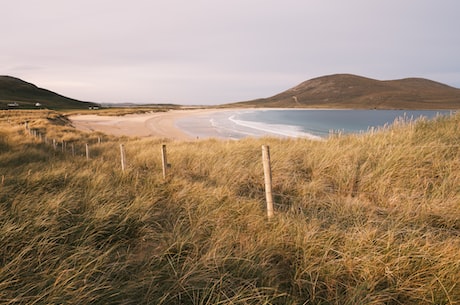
(359, 219)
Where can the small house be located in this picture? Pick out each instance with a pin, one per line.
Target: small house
(13, 105)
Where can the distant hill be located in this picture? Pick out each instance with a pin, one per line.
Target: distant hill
(351, 91)
(26, 95)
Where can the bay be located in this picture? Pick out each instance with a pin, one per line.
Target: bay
(304, 123)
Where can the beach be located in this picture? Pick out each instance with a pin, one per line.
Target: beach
(157, 124)
(238, 123)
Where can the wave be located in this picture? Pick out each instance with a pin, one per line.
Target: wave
(228, 131)
(288, 123)
(290, 131)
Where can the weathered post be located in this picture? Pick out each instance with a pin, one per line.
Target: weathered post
(87, 151)
(164, 160)
(123, 158)
(73, 149)
(268, 179)
(54, 144)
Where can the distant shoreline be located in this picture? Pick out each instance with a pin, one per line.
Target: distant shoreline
(159, 124)
(166, 124)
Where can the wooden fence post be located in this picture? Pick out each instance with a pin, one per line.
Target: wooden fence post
(87, 151)
(73, 149)
(268, 179)
(164, 160)
(123, 159)
(54, 144)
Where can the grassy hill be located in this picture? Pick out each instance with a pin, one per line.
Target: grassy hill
(26, 95)
(359, 219)
(351, 91)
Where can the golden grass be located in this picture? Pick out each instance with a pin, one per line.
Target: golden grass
(359, 219)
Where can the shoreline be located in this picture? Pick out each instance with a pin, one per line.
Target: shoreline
(165, 125)
(158, 124)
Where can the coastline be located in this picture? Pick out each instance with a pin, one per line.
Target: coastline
(159, 124)
(191, 124)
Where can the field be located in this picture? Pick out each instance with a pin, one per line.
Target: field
(359, 219)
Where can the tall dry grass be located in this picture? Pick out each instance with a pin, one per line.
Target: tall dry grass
(359, 219)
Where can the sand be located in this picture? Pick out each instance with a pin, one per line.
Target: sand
(159, 124)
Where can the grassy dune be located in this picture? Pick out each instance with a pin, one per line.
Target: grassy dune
(360, 219)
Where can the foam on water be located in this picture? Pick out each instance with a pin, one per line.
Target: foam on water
(274, 129)
(312, 124)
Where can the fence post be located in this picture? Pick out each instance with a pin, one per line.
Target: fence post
(268, 179)
(73, 149)
(164, 160)
(54, 144)
(87, 151)
(123, 160)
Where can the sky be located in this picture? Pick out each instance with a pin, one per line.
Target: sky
(207, 52)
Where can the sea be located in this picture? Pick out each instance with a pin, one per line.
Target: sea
(295, 123)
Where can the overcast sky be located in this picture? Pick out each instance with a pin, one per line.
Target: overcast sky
(219, 51)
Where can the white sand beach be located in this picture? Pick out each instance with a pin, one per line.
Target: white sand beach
(159, 124)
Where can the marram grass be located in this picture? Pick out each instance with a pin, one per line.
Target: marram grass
(359, 219)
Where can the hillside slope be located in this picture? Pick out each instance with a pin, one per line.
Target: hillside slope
(27, 95)
(351, 91)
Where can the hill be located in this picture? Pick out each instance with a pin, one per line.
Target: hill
(26, 95)
(351, 91)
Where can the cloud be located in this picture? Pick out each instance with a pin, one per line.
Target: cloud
(209, 51)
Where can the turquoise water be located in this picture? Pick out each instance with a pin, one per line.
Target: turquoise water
(239, 124)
